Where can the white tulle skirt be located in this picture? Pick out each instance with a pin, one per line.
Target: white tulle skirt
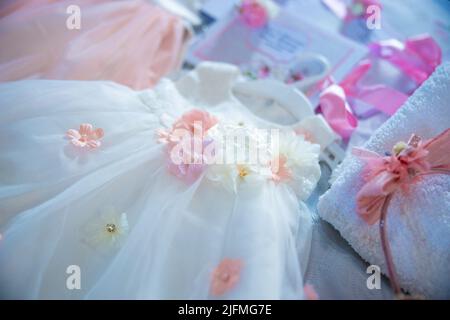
(55, 200)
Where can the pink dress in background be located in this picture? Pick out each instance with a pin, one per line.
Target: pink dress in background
(130, 42)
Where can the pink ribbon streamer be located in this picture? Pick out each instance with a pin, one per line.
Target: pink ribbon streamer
(417, 58)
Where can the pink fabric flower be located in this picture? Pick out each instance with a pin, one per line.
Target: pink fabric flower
(186, 144)
(189, 164)
(191, 123)
(86, 136)
(195, 121)
(310, 292)
(283, 173)
(253, 13)
(225, 276)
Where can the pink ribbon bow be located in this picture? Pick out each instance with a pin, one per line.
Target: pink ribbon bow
(384, 175)
(417, 58)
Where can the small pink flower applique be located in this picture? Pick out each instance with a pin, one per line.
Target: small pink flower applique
(225, 276)
(310, 292)
(86, 136)
(280, 171)
(253, 13)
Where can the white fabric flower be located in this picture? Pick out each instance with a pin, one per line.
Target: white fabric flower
(232, 176)
(239, 143)
(108, 229)
(242, 156)
(302, 161)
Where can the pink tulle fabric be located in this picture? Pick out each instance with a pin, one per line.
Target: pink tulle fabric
(130, 42)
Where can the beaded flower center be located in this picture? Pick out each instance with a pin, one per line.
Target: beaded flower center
(111, 228)
(243, 172)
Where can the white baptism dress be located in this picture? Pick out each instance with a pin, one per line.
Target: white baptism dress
(118, 218)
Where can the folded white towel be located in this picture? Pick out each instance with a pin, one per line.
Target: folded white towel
(418, 223)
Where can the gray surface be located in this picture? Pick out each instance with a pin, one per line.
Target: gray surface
(335, 270)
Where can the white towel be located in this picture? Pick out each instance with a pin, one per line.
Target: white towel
(418, 224)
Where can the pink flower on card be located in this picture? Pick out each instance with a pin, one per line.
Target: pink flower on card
(310, 293)
(225, 276)
(86, 136)
(254, 13)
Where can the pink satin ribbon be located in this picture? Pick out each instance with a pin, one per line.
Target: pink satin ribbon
(417, 58)
(385, 175)
(336, 110)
